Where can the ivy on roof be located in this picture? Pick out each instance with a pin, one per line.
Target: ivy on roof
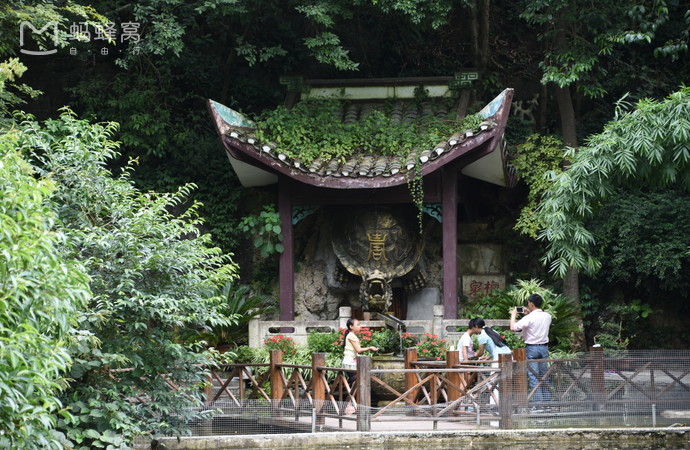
(335, 129)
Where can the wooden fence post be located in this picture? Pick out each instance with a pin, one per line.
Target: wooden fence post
(276, 377)
(363, 393)
(317, 385)
(410, 378)
(505, 391)
(453, 360)
(597, 375)
(520, 384)
(208, 388)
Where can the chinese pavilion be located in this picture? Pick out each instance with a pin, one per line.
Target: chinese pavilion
(373, 234)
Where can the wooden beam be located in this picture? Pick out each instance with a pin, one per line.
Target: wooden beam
(286, 278)
(450, 242)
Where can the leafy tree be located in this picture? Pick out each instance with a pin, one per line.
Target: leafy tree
(10, 91)
(153, 276)
(40, 292)
(648, 146)
(644, 239)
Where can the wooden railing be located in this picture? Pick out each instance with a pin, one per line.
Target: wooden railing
(328, 389)
(450, 390)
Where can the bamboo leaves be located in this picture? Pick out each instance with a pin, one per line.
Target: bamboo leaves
(649, 145)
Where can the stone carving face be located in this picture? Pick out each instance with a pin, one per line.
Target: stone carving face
(379, 245)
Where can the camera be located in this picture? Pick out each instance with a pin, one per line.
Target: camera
(520, 309)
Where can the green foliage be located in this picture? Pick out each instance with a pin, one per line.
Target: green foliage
(434, 11)
(578, 39)
(644, 237)
(409, 340)
(302, 355)
(325, 342)
(40, 292)
(649, 145)
(244, 304)
(313, 129)
(386, 340)
(496, 305)
(619, 324)
(264, 229)
(153, 276)
(535, 158)
(39, 14)
(512, 339)
(240, 305)
(327, 49)
(10, 71)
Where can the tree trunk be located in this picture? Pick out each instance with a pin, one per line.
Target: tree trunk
(568, 127)
(474, 30)
(484, 50)
(571, 282)
(567, 113)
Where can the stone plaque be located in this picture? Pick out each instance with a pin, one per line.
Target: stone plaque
(477, 285)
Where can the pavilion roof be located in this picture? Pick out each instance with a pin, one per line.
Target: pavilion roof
(479, 153)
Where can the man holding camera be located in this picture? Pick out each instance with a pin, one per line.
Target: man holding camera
(535, 327)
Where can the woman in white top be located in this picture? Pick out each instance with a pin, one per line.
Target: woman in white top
(352, 349)
(351, 345)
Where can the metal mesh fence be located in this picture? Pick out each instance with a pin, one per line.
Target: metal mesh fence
(630, 388)
(596, 389)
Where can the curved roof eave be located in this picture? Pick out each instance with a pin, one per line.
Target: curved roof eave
(462, 149)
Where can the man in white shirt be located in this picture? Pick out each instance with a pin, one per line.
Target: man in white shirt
(535, 329)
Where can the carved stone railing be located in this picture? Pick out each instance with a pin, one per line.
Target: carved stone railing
(449, 329)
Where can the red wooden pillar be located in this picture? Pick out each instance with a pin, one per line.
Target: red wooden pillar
(286, 262)
(450, 242)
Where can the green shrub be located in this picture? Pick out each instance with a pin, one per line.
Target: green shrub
(386, 340)
(325, 342)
